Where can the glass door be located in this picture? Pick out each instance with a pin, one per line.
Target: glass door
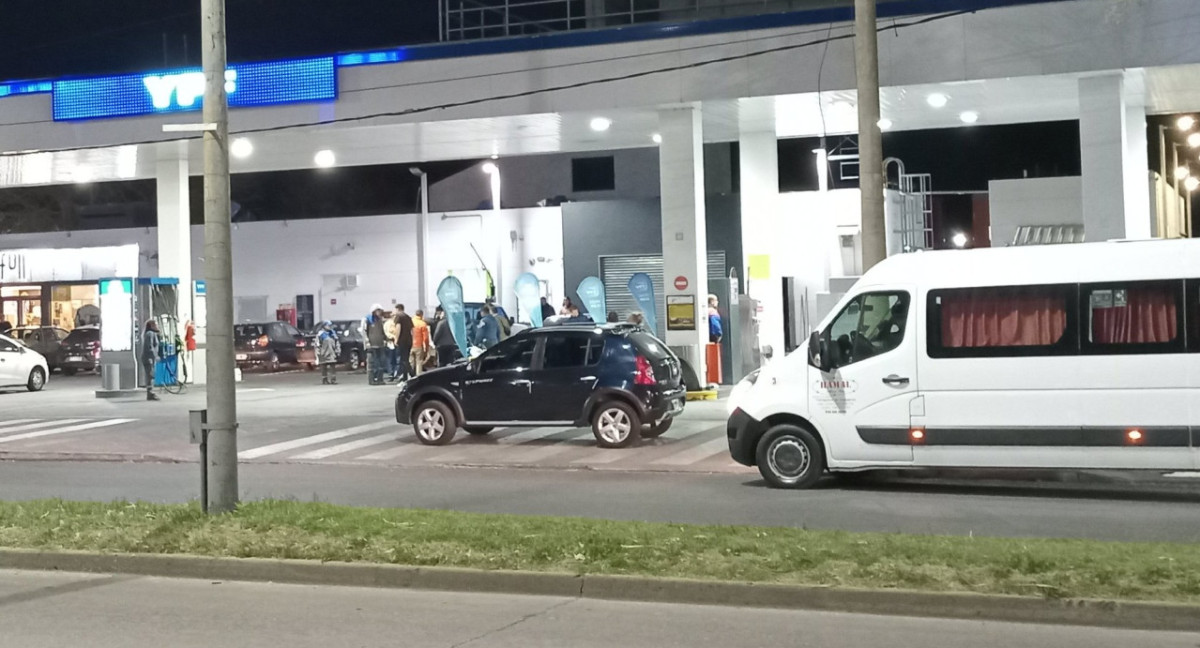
(21, 305)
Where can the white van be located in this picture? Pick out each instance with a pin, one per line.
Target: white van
(1068, 356)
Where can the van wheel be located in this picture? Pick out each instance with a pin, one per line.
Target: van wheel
(790, 457)
(616, 425)
(657, 429)
(434, 423)
(478, 430)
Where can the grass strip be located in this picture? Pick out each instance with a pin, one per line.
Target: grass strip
(316, 531)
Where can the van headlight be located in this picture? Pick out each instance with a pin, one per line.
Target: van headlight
(739, 391)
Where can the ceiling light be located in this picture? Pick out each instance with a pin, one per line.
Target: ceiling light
(959, 240)
(495, 156)
(601, 124)
(884, 123)
(490, 168)
(241, 148)
(81, 175)
(1191, 183)
(968, 117)
(1193, 140)
(325, 158)
(937, 100)
(1186, 122)
(1182, 172)
(657, 138)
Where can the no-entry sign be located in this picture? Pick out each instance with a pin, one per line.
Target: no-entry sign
(681, 283)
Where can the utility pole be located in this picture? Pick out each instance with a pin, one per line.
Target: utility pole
(870, 139)
(218, 260)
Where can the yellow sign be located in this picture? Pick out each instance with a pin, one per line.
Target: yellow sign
(760, 266)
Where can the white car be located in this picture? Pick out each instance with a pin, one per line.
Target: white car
(21, 366)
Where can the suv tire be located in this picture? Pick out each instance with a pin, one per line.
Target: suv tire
(434, 423)
(789, 456)
(616, 425)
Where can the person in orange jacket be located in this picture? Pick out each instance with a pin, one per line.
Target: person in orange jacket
(421, 343)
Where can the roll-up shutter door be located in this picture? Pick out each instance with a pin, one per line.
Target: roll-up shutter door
(615, 272)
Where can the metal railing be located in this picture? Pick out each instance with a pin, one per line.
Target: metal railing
(461, 20)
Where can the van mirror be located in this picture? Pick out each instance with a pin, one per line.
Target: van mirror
(818, 352)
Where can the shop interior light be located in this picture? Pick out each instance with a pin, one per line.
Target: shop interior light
(1186, 122)
(325, 158)
(489, 168)
(1191, 183)
(241, 148)
(601, 124)
(1193, 140)
(937, 100)
(968, 117)
(656, 138)
(1182, 172)
(884, 123)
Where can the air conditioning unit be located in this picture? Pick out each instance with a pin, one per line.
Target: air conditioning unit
(349, 282)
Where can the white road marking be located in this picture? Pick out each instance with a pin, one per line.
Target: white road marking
(17, 422)
(351, 446)
(255, 389)
(1184, 475)
(41, 424)
(315, 439)
(394, 453)
(695, 454)
(63, 430)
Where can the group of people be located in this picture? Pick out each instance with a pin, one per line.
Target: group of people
(398, 345)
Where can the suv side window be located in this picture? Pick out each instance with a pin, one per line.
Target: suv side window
(514, 354)
(566, 351)
(871, 324)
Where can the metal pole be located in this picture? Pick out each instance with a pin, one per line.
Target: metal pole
(423, 244)
(1178, 226)
(221, 392)
(870, 139)
(1161, 216)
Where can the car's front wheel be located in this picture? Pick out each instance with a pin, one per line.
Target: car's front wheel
(434, 423)
(789, 456)
(657, 429)
(616, 425)
(37, 379)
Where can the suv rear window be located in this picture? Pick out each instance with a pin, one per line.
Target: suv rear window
(650, 346)
(83, 335)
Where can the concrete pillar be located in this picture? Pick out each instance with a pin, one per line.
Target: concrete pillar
(758, 157)
(685, 244)
(1112, 138)
(174, 221)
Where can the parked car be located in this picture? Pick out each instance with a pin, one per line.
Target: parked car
(80, 351)
(620, 380)
(268, 345)
(21, 366)
(46, 340)
(353, 343)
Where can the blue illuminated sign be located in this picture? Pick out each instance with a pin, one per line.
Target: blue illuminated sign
(248, 84)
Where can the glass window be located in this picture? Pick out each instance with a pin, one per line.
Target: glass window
(1001, 321)
(566, 351)
(871, 324)
(8, 347)
(514, 354)
(1138, 317)
(1193, 314)
(595, 351)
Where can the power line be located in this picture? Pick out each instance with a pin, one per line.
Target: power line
(519, 95)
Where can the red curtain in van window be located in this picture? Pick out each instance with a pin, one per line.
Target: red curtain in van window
(1148, 317)
(979, 318)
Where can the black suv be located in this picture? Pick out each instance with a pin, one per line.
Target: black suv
(80, 351)
(268, 344)
(619, 379)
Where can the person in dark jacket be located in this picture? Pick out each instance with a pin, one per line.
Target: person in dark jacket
(404, 343)
(613, 317)
(547, 309)
(443, 339)
(487, 331)
(377, 350)
(151, 351)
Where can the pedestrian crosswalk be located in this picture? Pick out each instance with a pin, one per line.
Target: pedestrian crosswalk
(697, 445)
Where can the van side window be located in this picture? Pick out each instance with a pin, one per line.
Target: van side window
(1002, 321)
(1132, 317)
(1193, 315)
(871, 324)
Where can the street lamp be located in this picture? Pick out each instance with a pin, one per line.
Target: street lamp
(422, 238)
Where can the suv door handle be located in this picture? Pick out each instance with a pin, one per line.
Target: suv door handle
(895, 380)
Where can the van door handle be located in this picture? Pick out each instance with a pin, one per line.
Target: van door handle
(895, 380)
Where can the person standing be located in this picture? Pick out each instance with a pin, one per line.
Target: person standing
(715, 330)
(613, 317)
(391, 331)
(547, 309)
(637, 319)
(487, 331)
(151, 352)
(6, 326)
(404, 344)
(443, 339)
(420, 343)
(329, 349)
(566, 308)
(377, 350)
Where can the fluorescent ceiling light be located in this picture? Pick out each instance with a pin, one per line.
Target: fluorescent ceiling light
(885, 123)
(325, 158)
(937, 100)
(968, 117)
(601, 124)
(241, 148)
(657, 138)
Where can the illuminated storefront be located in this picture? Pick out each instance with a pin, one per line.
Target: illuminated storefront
(58, 287)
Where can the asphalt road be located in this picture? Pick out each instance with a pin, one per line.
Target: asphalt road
(101, 611)
(1104, 512)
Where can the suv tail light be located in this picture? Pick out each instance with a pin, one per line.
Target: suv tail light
(645, 372)
(300, 344)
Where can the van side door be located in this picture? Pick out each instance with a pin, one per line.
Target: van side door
(860, 402)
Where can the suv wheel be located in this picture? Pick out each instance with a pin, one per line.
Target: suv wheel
(657, 429)
(616, 425)
(434, 423)
(790, 457)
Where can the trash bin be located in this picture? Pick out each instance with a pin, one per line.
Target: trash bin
(713, 361)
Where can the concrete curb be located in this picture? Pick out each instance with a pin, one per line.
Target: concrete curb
(1112, 614)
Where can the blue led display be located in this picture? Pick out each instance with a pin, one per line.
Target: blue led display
(24, 87)
(248, 84)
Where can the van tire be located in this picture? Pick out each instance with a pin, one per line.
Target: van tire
(790, 457)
